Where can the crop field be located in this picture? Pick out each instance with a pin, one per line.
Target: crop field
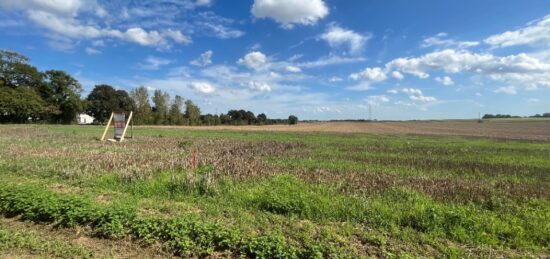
(437, 191)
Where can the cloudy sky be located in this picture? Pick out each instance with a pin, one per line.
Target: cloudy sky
(317, 59)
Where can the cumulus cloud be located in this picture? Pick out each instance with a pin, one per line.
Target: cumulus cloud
(205, 59)
(293, 69)
(417, 95)
(376, 100)
(254, 60)
(506, 90)
(442, 40)
(72, 28)
(64, 19)
(66, 7)
(445, 80)
(337, 36)
(259, 86)
(397, 75)
(537, 33)
(513, 67)
(289, 13)
(370, 74)
(202, 87)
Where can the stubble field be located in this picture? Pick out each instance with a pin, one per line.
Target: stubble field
(400, 189)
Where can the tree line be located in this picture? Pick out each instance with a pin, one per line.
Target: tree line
(507, 116)
(53, 96)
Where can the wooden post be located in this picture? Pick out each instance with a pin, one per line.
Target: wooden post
(107, 127)
(126, 128)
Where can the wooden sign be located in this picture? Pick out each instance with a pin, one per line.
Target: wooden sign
(120, 124)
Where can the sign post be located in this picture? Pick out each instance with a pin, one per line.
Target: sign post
(120, 124)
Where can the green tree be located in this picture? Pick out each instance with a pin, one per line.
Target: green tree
(262, 119)
(61, 91)
(104, 99)
(21, 105)
(292, 120)
(192, 113)
(142, 113)
(16, 72)
(175, 117)
(161, 100)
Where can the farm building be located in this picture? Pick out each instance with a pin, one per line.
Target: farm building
(84, 119)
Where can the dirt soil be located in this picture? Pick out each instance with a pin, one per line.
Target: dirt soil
(526, 129)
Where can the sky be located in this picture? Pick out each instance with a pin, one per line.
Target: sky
(316, 59)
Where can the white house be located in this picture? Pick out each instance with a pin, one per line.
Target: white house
(84, 119)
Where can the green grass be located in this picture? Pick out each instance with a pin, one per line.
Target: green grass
(313, 195)
(21, 241)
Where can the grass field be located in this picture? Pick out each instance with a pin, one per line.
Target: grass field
(277, 193)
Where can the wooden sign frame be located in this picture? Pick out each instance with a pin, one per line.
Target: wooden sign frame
(123, 132)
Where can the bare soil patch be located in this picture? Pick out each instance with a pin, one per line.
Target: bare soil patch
(524, 129)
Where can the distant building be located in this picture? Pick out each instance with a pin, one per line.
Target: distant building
(84, 119)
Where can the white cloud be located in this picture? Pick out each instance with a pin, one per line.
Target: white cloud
(441, 40)
(331, 60)
(533, 100)
(376, 100)
(71, 28)
(221, 31)
(154, 63)
(203, 2)
(92, 51)
(392, 91)
(259, 86)
(335, 79)
(534, 34)
(517, 68)
(361, 86)
(445, 80)
(205, 59)
(293, 69)
(290, 12)
(417, 95)
(254, 60)
(336, 36)
(370, 74)
(61, 7)
(506, 90)
(176, 36)
(202, 87)
(397, 75)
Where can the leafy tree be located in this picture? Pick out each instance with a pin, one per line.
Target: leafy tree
(104, 99)
(142, 113)
(262, 118)
(16, 72)
(192, 113)
(61, 91)
(175, 117)
(210, 120)
(292, 120)
(21, 105)
(161, 100)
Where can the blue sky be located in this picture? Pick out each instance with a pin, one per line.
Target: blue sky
(317, 59)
